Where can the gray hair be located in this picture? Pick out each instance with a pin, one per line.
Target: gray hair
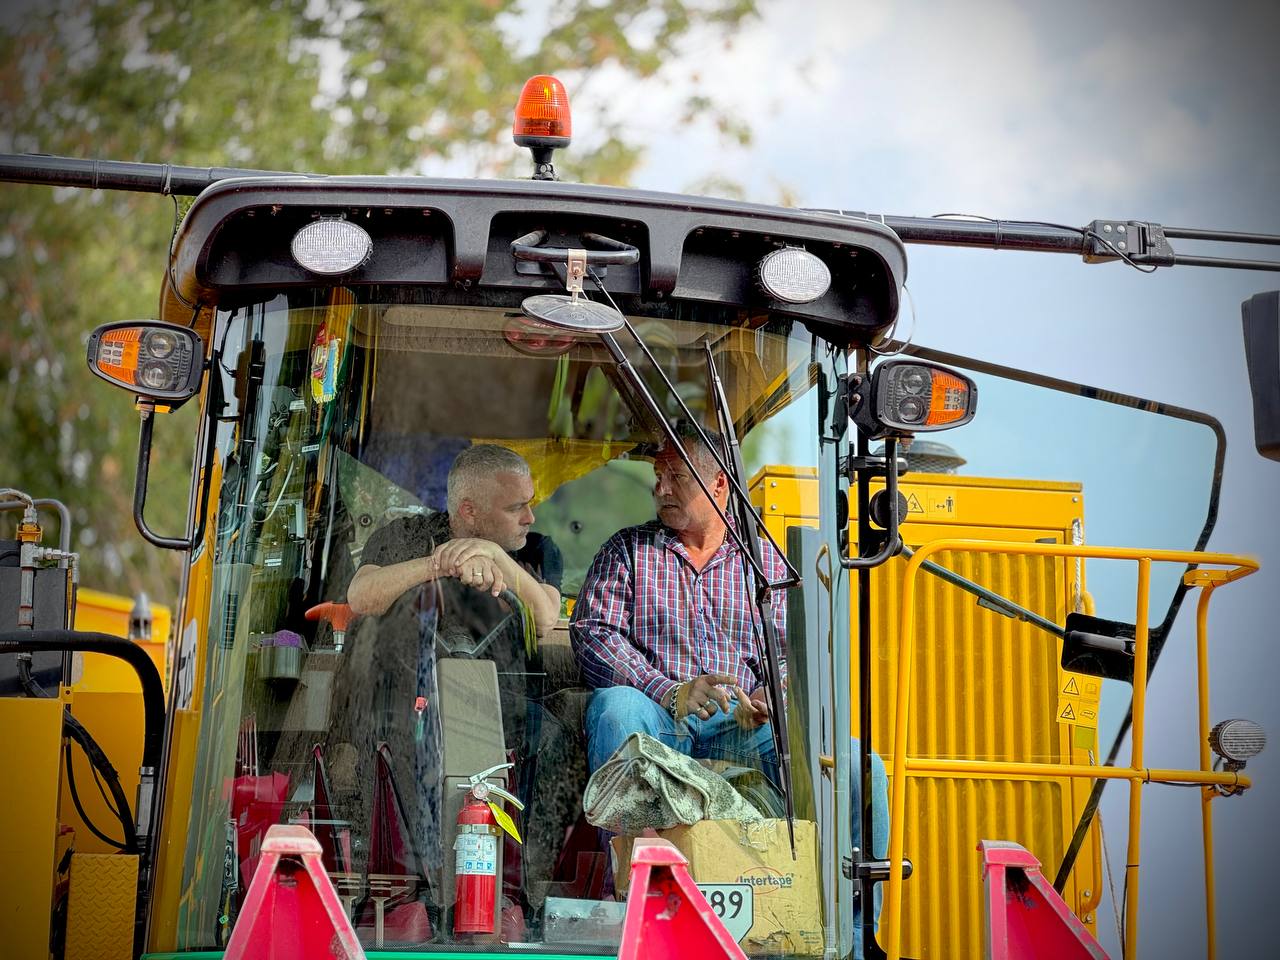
(703, 459)
(479, 463)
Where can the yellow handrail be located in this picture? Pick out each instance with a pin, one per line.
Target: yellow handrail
(1205, 576)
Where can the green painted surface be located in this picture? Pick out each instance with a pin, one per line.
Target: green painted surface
(407, 955)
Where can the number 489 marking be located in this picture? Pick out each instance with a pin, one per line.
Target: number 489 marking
(732, 903)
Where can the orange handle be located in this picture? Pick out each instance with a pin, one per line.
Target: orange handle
(340, 615)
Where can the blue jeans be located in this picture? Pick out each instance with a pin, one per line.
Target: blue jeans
(617, 712)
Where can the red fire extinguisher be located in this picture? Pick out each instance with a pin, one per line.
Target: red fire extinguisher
(480, 824)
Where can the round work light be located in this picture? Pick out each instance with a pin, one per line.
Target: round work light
(331, 247)
(1237, 741)
(793, 275)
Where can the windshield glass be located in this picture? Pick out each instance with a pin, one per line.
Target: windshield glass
(431, 526)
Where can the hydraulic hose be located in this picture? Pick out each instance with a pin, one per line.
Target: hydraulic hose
(31, 641)
(75, 731)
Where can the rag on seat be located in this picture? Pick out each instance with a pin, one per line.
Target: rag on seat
(647, 784)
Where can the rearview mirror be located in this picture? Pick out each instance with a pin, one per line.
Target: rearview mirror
(1261, 315)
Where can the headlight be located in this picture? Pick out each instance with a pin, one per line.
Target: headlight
(161, 361)
(909, 397)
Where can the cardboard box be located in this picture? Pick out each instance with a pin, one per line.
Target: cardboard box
(787, 907)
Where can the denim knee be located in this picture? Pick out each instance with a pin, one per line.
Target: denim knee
(614, 714)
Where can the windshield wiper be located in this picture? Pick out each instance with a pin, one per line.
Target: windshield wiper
(771, 654)
(740, 528)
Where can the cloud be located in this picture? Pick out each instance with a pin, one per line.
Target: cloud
(998, 107)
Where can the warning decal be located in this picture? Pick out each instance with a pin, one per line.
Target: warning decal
(1078, 699)
(931, 504)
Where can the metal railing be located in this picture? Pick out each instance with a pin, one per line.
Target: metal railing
(1206, 573)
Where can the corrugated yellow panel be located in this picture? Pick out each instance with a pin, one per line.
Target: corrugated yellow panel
(985, 687)
(101, 906)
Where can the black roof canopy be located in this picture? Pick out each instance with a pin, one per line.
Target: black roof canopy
(456, 235)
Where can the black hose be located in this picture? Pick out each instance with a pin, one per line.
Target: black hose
(75, 730)
(19, 641)
(84, 815)
(28, 682)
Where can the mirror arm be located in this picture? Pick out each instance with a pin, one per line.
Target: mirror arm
(147, 411)
(893, 539)
(989, 598)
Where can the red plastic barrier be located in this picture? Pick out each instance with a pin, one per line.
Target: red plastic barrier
(667, 916)
(1026, 918)
(291, 910)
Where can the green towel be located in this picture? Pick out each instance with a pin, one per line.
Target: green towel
(646, 784)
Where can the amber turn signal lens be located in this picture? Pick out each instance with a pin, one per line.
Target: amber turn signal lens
(542, 114)
(949, 401)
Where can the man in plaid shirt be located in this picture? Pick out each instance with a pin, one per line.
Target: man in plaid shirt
(664, 627)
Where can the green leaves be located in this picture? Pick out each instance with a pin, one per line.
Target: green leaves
(334, 87)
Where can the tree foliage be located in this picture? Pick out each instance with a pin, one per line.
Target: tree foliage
(374, 86)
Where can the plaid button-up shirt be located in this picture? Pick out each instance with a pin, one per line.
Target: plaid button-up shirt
(646, 619)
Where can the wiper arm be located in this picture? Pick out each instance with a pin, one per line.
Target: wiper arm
(737, 485)
(989, 598)
(771, 655)
(585, 316)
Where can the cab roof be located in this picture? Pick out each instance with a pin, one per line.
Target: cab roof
(233, 246)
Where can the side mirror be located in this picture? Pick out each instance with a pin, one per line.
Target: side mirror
(1261, 316)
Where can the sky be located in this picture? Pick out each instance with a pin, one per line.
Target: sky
(1162, 112)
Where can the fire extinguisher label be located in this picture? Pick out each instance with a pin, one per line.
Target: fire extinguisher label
(476, 853)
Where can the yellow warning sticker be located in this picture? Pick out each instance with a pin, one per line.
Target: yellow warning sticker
(1078, 711)
(931, 504)
(1078, 697)
(940, 504)
(1080, 685)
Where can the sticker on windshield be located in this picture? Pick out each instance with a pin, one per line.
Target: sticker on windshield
(187, 666)
(733, 904)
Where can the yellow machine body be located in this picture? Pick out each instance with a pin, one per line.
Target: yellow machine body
(985, 687)
(30, 848)
(106, 697)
